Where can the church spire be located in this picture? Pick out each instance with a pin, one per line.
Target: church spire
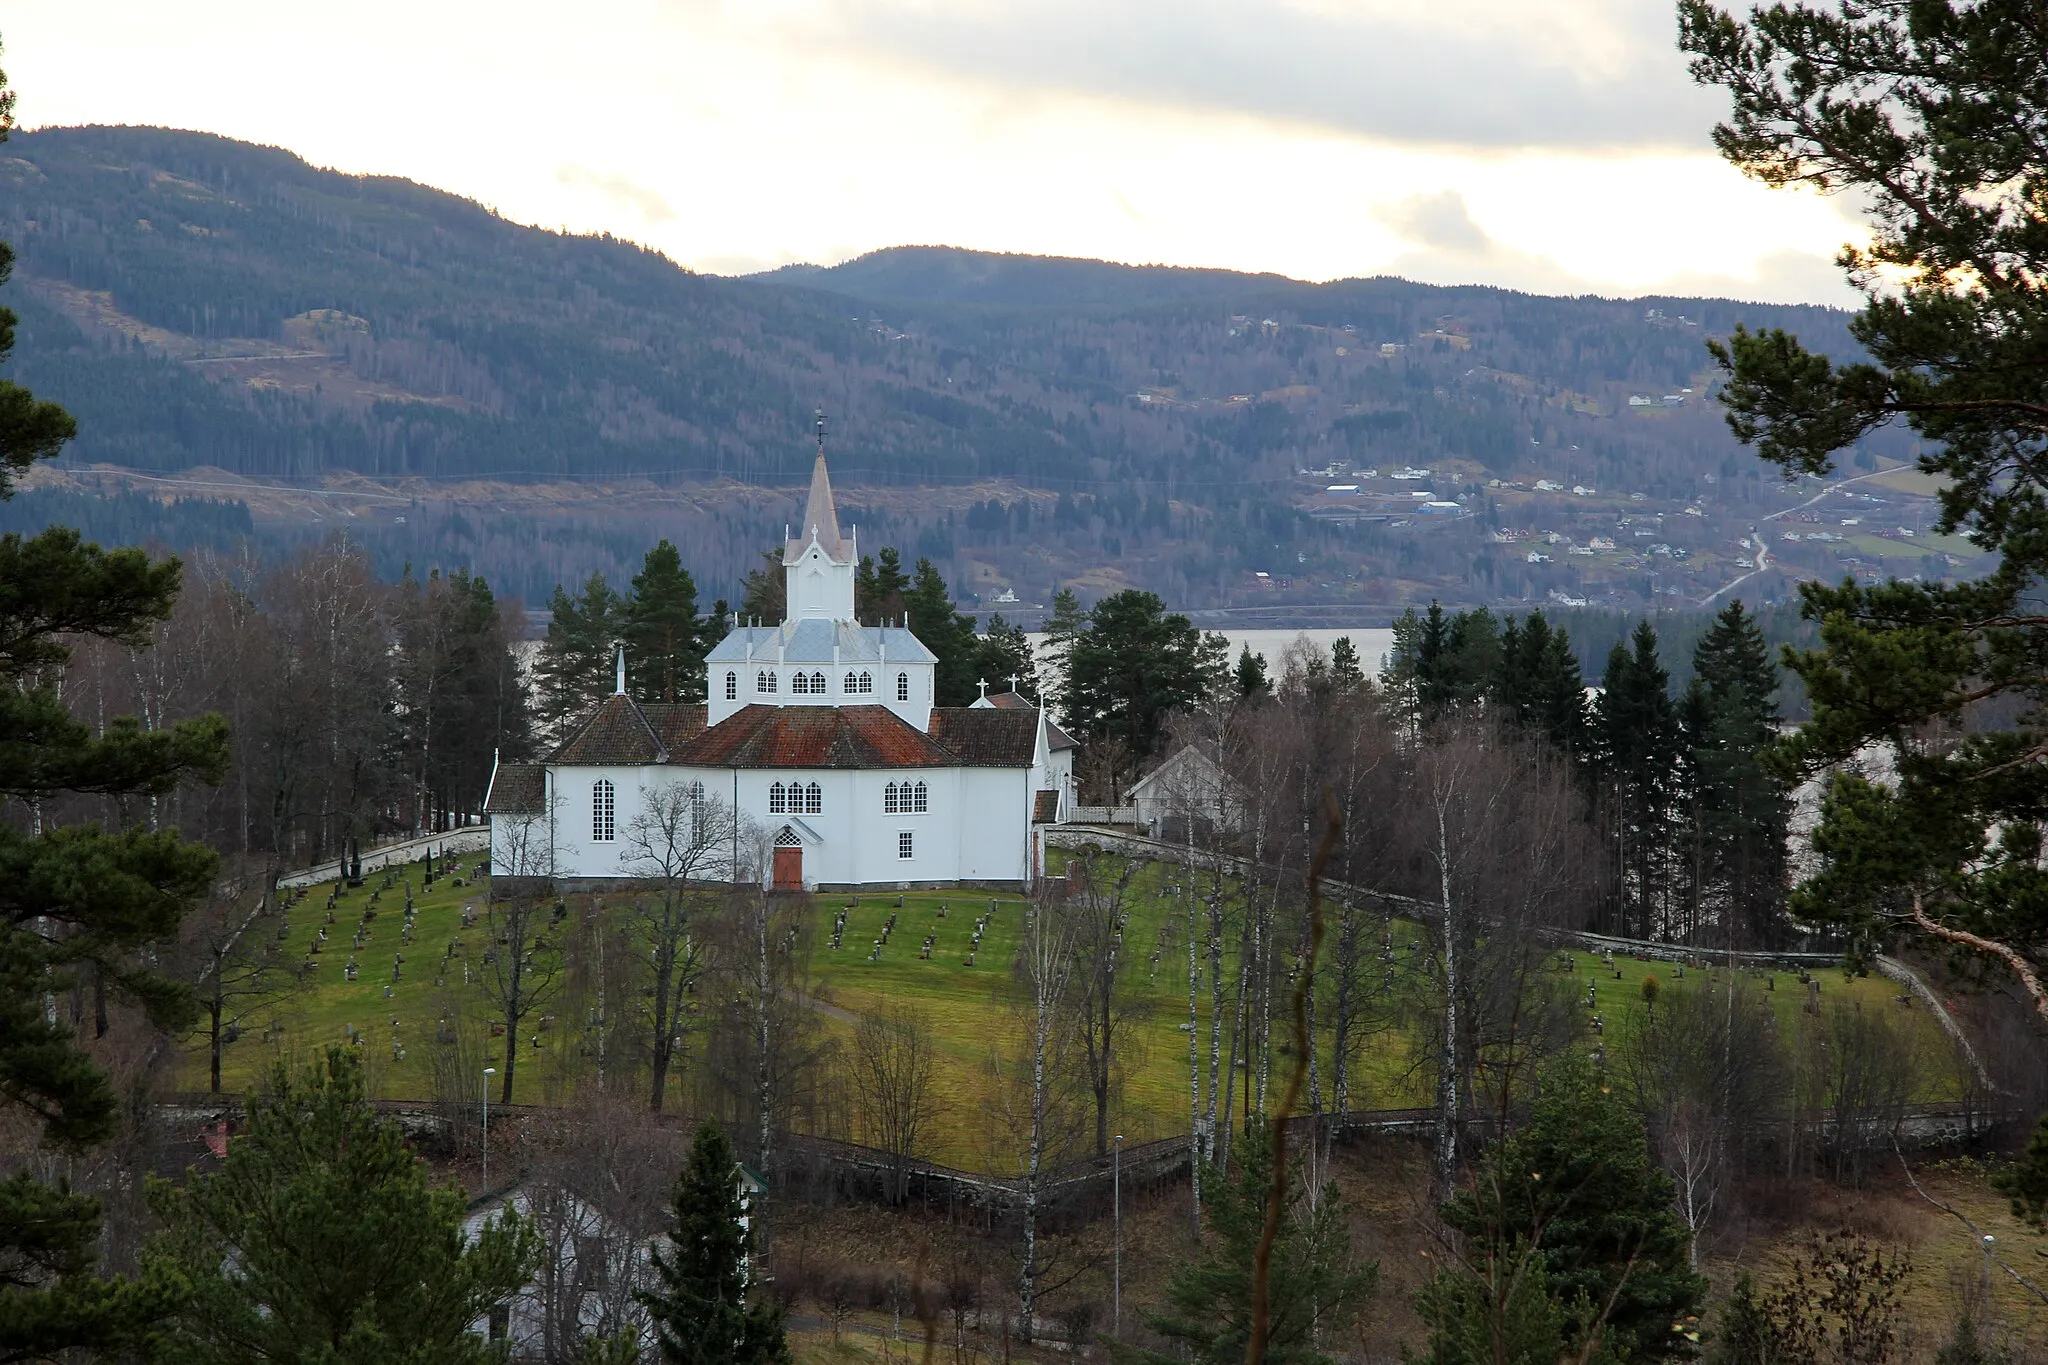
(821, 514)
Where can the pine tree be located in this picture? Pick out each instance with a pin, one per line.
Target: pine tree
(666, 639)
(575, 669)
(1314, 1287)
(322, 1238)
(1005, 653)
(1637, 754)
(1932, 115)
(1344, 667)
(1577, 1185)
(1135, 663)
(81, 900)
(1250, 675)
(700, 1308)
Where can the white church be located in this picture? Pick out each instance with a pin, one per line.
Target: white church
(821, 734)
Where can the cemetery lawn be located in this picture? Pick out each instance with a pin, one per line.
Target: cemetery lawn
(969, 1007)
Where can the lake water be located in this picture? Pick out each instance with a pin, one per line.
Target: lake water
(1373, 645)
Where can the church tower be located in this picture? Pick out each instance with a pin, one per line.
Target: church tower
(817, 565)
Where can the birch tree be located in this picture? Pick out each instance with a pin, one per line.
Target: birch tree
(680, 845)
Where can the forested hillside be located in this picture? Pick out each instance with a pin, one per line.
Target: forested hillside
(199, 302)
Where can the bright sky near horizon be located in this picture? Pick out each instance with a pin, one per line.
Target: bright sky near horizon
(1556, 146)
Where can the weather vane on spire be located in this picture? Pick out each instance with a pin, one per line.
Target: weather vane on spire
(821, 431)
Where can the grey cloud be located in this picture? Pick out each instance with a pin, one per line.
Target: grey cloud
(1449, 248)
(1420, 78)
(1438, 220)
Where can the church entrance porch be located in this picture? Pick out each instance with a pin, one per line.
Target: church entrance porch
(789, 862)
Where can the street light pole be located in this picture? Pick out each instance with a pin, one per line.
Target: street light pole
(1116, 1292)
(489, 1072)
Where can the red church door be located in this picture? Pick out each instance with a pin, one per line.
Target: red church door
(789, 869)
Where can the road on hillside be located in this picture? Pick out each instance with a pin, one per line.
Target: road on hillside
(1763, 549)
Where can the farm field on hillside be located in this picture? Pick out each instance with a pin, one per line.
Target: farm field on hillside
(400, 1024)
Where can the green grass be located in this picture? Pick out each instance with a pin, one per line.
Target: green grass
(971, 1007)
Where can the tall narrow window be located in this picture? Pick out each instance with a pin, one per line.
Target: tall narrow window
(732, 686)
(919, 796)
(814, 799)
(603, 798)
(867, 684)
(903, 687)
(778, 799)
(817, 684)
(889, 800)
(906, 846)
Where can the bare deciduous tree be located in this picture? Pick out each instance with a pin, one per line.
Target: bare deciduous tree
(894, 1061)
(680, 845)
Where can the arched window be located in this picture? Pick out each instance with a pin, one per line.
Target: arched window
(778, 799)
(732, 686)
(814, 799)
(764, 682)
(808, 684)
(867, 684)
(603, 797)
(918, 798)
(891, 799)
(817, 684)
(903, 687)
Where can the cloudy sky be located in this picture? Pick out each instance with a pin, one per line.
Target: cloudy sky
(1553, 145)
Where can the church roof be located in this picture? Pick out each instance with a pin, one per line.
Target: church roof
(987, 737)
(821, 519)
(1011, 701)
(815, 737)
(618, 732)
(675, 724)
(812, 642)
(517, 789)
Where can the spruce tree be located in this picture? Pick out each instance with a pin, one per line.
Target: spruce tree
(666, 639)
(1250, 674)
(1135, 663)
(1577, 1185)
(1738, 802)
(764, 596)
(947, 634)
(878, 588)
(700, 1306)
(574, 670)
(90, 899)
(1315, 1287)
(322, 1238)
(1637, 753)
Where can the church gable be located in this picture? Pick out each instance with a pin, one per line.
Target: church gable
(617, 733)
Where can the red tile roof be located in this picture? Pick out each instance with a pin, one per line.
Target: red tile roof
(617, 733)
(987, 736)
(517, 789)
(814, 737)
(676, 724)
(1045, 810)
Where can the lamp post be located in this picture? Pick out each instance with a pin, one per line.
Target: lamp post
(1116, 1290)
(489, 1072)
